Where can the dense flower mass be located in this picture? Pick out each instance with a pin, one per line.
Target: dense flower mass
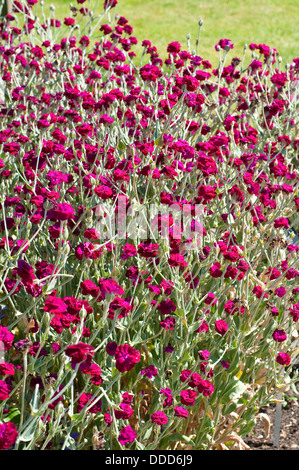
(148, 236)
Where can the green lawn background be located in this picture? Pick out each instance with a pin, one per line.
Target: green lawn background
(271, 22)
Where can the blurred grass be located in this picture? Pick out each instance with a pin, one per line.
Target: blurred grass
(270, 22)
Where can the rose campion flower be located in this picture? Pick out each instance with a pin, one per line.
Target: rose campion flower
(63, 211)
(125, 411)
(6, 338)
(149, 372)
(225, 364)
(215, 270)
(205, 387)
(159, 418)
(126, 435)
(279, 335)
(188, 397)
(204, 355)
(25, 271)
(89, 288)
(280, 291)
(181, 412)
(110, 286)
(111, 348)
(126, 357)
(281, 222)
(221, 327)
(283, 359)
(7, 368)
(4, 390)
(80, 353)
(87, 398)
(8, 435)
(224, 44)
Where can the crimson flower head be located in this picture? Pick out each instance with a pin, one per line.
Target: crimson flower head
(148, 249)
(80, 353)
(126, 357)
(6, 338)
(111, 348)
(283, 359)
(89, 288)
(87, 398)
(8, 435)
(279, 335)
(4, 390)
(159, 417)
(174, 47)
(181, 412)
(224, 44)
(63, 211)
(221, 327)
(110, 286)
(109, 4)
(25, 271)
(188, 397)
(126, 435)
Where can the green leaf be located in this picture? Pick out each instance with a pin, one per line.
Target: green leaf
(28, 433)
(140, 446)
(121, 145)
(234, 389)
(175, 437)
(11, 414)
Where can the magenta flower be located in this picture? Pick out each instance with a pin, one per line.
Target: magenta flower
(63, 211)
(55, 305)
(125, 411)
(80, 353)
(4, 390)
(205, 387)
(281, 222)
(8, 435)
(166, 307)
(174, 47)
(149, 372)
(215, 270)
(109, 286)
(6, 368)
(181, 412)
(148, 249)
(86, 398)
(126, 435)
(221, 327)
(279, 335)
(225, 364)
(6, 337)
(283, 359)
(280, 291)
(89, 288)
(224, 44)
(25, 271)
(168, 323)
(126, 357)
(188, 397)
(159, 418)
(128, 251)
(111, 348)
